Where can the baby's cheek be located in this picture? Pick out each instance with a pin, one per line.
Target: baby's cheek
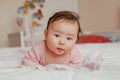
(52, 43)
(70, 47)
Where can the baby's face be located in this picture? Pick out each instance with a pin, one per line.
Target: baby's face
(61, 37)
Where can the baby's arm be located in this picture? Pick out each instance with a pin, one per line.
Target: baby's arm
(75, 58)
(31, 58)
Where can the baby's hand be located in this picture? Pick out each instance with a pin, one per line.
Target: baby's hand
(39, 67)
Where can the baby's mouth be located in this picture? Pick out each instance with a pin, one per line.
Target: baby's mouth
(61, 50)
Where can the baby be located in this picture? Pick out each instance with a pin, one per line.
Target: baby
(58, 47)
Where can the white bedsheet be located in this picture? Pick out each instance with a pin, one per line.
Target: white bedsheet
(109, 70)
(36, 74)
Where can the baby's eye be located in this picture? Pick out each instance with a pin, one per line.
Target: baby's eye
(69, 38)
(56, 35)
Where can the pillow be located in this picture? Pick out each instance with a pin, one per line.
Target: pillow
(114, 38)
(93, 39)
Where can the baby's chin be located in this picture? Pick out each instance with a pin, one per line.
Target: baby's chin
(60, 53)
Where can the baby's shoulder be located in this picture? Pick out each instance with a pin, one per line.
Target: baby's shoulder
(40, 45)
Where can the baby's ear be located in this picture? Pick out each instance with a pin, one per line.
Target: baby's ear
(45, 33)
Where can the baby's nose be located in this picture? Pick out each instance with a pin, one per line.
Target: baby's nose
(62, 41)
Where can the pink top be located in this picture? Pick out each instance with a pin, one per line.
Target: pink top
(35, 56)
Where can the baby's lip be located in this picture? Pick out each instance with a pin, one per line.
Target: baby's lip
(60, 49)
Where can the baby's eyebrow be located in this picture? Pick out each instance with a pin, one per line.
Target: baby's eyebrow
(68, 34)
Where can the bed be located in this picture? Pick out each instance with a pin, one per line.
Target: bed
(11, 68)
(106, 55)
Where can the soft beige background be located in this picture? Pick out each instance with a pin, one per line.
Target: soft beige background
(95, 15)
(99, 14)
(8, 13)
